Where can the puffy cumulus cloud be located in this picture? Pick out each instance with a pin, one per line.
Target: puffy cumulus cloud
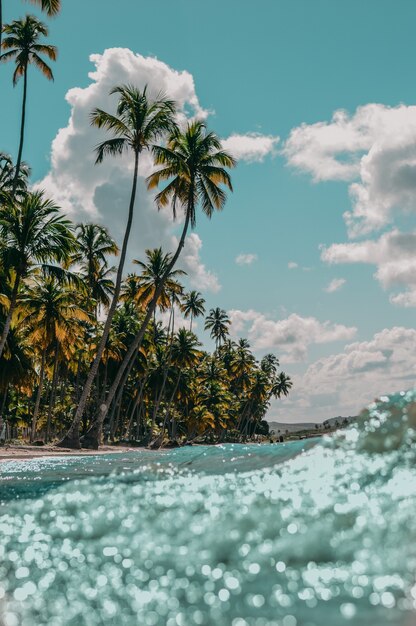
(291, 336)
(374, 149)
(393, 254)
(246, 259)
(346, 382)
(335, 285)
(251, 146)
(292, 265)
(100, 193)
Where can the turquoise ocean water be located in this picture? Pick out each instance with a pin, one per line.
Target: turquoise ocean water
(316, 533)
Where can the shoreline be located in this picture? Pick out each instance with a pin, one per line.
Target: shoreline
(28, 453)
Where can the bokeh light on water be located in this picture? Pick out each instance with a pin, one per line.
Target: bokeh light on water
(228, 535)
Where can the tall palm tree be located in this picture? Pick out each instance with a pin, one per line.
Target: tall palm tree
(193, 306)
(218, 323)
(50, 7)
(138, 123)
(22, 44)
(32, 233)
(194, 164)
(52, 316)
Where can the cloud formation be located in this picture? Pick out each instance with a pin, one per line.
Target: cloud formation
(335, 285)
(291, 336)
(374, 150)
(393, 254)
(251, 147)
(246, 259)
(354, 377)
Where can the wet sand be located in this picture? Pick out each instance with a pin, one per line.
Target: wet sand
(22, 452)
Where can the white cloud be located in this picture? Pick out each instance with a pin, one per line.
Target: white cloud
(335, 285)
(292, 265)
(374, 149)
(353, 378)
(393, 254)
(251, 146)
(246, 259)
(100, 193)
(291, 336)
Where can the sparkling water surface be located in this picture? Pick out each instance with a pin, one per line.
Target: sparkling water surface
(310, 533)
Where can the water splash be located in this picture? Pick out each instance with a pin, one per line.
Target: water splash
(228, 535)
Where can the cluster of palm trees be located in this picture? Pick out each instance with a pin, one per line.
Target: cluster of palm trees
(83, 351)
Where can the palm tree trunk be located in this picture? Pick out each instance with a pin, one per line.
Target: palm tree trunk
(71, 439)
(137, 341)
(22, 134)
(38, 396)
(7, 323)
(53, 393)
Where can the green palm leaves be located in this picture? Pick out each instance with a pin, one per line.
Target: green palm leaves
(138, 123)
(22, 44)
(218, 323)
(195, 164)
(32, 233)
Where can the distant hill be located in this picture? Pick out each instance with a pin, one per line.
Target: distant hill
(295, 428)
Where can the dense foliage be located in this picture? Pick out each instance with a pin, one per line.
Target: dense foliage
(89, 350)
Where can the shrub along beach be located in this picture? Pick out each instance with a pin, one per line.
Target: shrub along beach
(88, 351)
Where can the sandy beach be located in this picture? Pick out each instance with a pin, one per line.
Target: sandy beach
(21, 453)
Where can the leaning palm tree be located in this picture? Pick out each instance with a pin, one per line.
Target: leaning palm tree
(32, 233)
(153, 271)
(139, 122)
(218, 322)
(22, 45)
(193, 306)
(194, 164)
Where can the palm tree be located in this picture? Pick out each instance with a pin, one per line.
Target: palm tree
(93, 245)
(138, 124)
(50, 7)
(218, 323)
(193, 306)
(153, 271)
(7, 176)
(22, 45)
(195, 165)
(53, 317)
(281, 385)
(31, 233)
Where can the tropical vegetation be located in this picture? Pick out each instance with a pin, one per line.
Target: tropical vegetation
(91, 351)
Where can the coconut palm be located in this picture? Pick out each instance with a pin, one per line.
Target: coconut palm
(7, 176)
(50, 7)
(52, 316)
(94, 244)
(32, 233)
(193, 306)
(281, 385)
(218, 323)
(153, 271)
(138, 123)
(194, 164)
(22, 44)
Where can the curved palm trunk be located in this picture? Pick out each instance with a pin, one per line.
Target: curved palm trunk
(53, 393)
(7, 323)
(95, 430)
(22, 134)
(71, 439)
(38, 396)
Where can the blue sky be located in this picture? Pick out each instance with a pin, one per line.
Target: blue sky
(276, 69)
